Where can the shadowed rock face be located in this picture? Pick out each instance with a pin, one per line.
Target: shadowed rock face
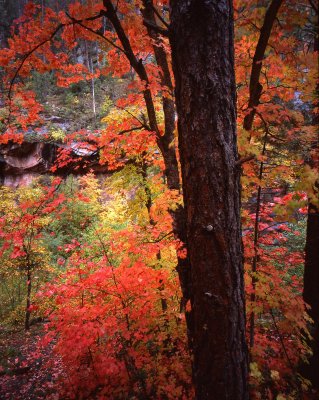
(15, 181)
(24, 157)
(21, 163)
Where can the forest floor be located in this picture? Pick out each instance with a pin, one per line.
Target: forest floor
(27, 372)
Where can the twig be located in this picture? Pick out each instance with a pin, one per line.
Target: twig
(159, 239)
(79, 22)
(243, 160)
(25, 57)
(159, 16)
(155, 27)
(281, 339)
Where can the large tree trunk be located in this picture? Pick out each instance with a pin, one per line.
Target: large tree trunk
(311, 272)
(311, 290)
(201, 38)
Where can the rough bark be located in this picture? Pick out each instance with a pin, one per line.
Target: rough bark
(201, 36)
(311, 272)
(311, 290)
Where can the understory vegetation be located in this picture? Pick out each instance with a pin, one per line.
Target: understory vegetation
(93, 252)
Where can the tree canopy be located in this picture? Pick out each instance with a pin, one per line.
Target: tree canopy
(166, 244)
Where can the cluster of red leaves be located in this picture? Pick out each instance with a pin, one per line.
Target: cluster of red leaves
(20, 227)
(115, 335)
(275, 298)
(100, 301)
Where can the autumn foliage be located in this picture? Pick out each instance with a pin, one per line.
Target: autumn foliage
(96, 257)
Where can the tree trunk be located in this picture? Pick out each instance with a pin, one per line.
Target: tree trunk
(28, 303)
(165, 142)
(201, 37)
(311, 272)
(311, 290)
(255, 87)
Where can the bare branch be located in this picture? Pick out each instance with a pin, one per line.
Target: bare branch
(159, 15)
(79, 22)
(159, 239)
(314, 6)
(155, 27)
(134, 116)
(135, 128)
(243, 160)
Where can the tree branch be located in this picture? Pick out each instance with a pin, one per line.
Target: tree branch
(167, 140)
(243, 160)
(155, 27)
(28, 54)
(313, 5)
(159, 239)
(136, 64)
(79, 22)
(158, 14)
(255, 87)
(134, 116)
(48, 39)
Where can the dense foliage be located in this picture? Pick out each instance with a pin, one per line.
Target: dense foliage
(94, 255)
